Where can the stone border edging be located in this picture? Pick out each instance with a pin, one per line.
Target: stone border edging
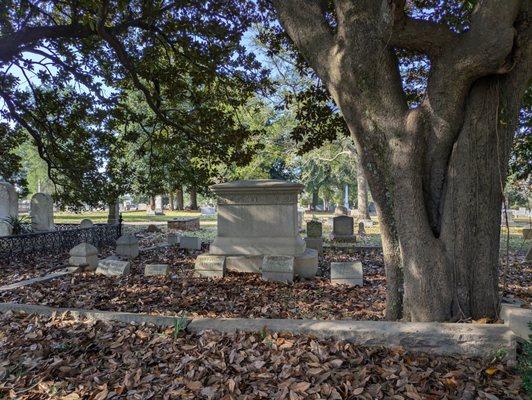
(473, 340)
(44, 278)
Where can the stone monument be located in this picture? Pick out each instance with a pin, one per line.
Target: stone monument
(343, 229)
(259, 218)
(127, 246)
(42, 212)
(8, 207)
(86, 223)
(347, 273)
(84, 255)
(314, 239)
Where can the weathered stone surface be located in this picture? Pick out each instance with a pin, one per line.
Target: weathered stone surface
(314, 229)
(5, 229)
(42, 212)
(113, 268)
(127, 246)
(244, 263)
(172, 239)
(190, 243)
(306, 265)
(343, 229)
(156, 270)
(473, 340)
(8, 200)
(527, 233)
(347, 273)
(184, 223)
(517, 319)
(86, 223)
(341, 210)
(210, 266)
(258, 217)
(315, 244)
(278, 268)
(84, 255)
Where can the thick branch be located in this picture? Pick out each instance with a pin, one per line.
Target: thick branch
(422, 36)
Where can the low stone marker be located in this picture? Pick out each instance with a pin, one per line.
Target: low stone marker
(314, 229)
(190, 243)
(84, 255)
(172, 239)
(278, 269)
(86, 223)
(315, 244)
(113, 267)
(127, 246)
(347, 273)
(343, 229)
(5, 228)
(210, 266)
(184, 223)
(156, 270)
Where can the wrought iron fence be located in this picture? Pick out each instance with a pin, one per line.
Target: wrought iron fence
(63, 238)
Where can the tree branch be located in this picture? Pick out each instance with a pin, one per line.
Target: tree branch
(422, 36)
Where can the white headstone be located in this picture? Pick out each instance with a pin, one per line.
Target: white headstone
(42, 212)
(8, 201)
(190, 243)
(347, 273)
(210, 266)
(159, 205)
(5, 228)
(127, 246)
(278, 268)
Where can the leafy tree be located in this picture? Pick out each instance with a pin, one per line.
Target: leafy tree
(424, 151)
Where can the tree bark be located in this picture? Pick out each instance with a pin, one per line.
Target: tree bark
(435, 172)
(362, 193)
(193, 198)
(180, 202)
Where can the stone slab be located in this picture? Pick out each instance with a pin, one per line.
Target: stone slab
(306, 265)
(190, 243)
(184, 223)
(47, 277)
(210, 266)
(517, 319)
(156, 270)
(472, 340)
(347, 273)
(315, 244)
(244, 263)
(113, 268)
(278, 269)
(127, 246)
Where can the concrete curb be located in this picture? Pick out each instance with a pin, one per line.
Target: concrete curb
(517, 319)
(48, 277)
(158, 320)
(438, 338)
(473, 340)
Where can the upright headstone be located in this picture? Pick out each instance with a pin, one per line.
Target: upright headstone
(8, 205)
(347, 273)
(361, 228)
(42, 212)
(209, 266)
(84, 255)
(159, 205)
(278, 269)
(314, 229)
(86, 223)
(343, 229)
(127, 246)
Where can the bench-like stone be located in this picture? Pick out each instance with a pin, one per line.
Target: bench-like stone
(244, 263)
(278, 268)
(190, 243)
(156, 270)
(306, 265)
(517, 319)
(210, 266)
(113, 267)
(315, 244)
(127, 246)
(347, 273)
(84, 255)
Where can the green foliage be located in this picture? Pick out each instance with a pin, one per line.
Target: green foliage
(17, 223)
(525, 364)
(180, 324)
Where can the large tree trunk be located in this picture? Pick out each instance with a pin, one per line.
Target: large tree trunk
(362, 193)
(193, 198)
(180, 202)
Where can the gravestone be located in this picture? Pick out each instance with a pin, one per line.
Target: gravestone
(190, 243)
(347, 273)
(156, 270)
(361, 228)
(113, 267)
(314, 229)
(315, 243)
(172, 239)
(210, 266)
(84, 255)
(184, 223)
(127, 246)
(278, 269)
(86, 223)
(5, 229)
(42, 212)
(343, 229)
(159, 205)
(305, 266)
(8, 206)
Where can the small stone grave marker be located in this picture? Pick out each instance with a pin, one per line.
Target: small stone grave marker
(156, 270)
(210, 266)
(86, 223)
(315, 243)
(190, 243)
(314, 229)
(84, 255)
(347, 273)
(278, 269)
(127, 246)
(113, 267)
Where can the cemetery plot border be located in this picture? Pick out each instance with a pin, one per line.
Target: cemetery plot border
(63, 238)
